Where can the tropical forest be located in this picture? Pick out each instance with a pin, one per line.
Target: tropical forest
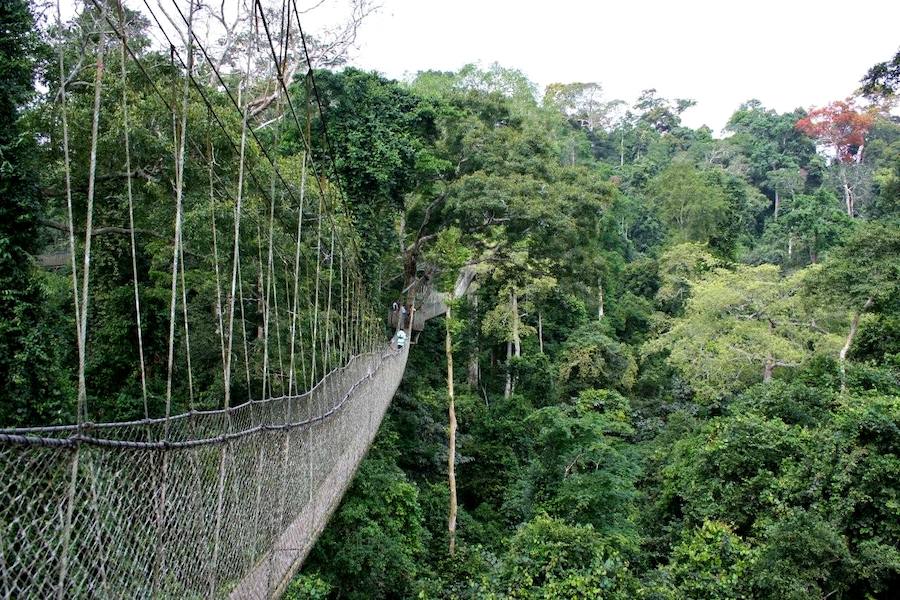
(667, 362)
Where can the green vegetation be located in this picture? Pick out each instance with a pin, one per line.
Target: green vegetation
(677, 369)
(679, 359)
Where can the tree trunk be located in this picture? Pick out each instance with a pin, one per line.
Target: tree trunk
(516, 340)
(790, 245)
(541, 332)
(600, 308)
(848, 193)
(777, 203)
(507, 390)
(854, 325)
(474, 374)
(622, 150)
(451, 448)
(768, 369)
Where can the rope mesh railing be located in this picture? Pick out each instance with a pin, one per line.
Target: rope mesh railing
(246, 493)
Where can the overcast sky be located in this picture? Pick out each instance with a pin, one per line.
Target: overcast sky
(786, 53)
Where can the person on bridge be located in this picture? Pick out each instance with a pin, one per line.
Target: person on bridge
(401, 339)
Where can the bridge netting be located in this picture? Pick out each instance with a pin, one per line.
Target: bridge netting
(226, 503)
(240, 450)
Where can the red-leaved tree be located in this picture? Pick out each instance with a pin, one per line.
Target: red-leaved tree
(842, 127)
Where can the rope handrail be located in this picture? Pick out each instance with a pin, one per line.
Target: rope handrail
(16, 434)
(21, 437)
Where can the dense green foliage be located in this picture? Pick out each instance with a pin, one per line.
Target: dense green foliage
(677, 369)
(652, 401)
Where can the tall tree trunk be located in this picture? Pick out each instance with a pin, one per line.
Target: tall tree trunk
(600, 308)
(451, 452)
(474, 374)
(854, 326)
(622, 150)
(777, 204)
(507, 390)
(541, 332)
(516, 340)
(790, 245)
(848, 192)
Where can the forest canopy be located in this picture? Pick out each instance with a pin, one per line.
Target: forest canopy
(677, 365)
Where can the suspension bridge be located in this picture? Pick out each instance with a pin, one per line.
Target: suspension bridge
(204, 495)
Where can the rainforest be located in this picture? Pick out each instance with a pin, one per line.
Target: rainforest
(669, 367)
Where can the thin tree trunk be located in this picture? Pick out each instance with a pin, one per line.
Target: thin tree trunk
(541, 332)
(507, 390)
(777, 203)
(848, 193)
(513, 348)
(854, 325)
(474, 374)
(451, 453)
(600, 308)
(517, 342)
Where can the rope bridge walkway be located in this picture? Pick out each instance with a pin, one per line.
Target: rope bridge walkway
(203, 495)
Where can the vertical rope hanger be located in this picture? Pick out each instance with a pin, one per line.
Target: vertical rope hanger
(212, 209)
(262, 300)
(179, 209)
(82, 308)
(273, 276)
(329, 323)
(181, 133)
(237, 233)
(315, 322)
(68, 176)
(125, 126)
(244, 332)
(294, 329)
(88, 228)
(187, 329)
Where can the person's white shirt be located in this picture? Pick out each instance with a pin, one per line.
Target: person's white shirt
(401, 338)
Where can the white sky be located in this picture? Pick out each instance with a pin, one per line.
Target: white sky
(786, 53)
